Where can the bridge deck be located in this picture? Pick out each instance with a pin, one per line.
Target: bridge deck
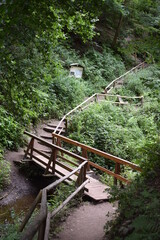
(94, 189)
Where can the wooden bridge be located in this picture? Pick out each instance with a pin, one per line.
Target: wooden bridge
(69, 167)
(55, 160)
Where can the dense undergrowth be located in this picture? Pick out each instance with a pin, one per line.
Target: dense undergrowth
(123, 131)
(138, 214)
(36, 85)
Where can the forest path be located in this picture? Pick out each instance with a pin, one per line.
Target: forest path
(86, 222)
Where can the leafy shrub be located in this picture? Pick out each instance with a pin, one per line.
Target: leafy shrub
(101, 68)
(4, 172)
(119, 131)
(10, 131)
(138, 212)
(69, 92)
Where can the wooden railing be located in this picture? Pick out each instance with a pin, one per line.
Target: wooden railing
(49, 162)
(101, 97)
(112, 84)
(86, 149)
(81, 106)
(41, 221)
(95, 97)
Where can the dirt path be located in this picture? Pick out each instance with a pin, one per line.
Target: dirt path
(86, 222)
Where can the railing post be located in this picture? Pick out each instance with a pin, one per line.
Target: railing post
(85, 155)
(52, 160)
(65, 124)
(117, 171)
(30, 147)
(82, 175)
(142, 100)
(43, 209)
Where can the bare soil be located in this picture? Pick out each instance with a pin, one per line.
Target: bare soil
(87, 222)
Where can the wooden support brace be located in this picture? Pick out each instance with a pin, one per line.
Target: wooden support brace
(30, 147)
(52, 160)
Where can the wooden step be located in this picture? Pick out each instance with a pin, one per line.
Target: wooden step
(46, 137)
(51, 129)
(54, 126)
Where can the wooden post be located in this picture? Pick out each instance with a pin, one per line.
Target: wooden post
(52, 160)
(66, 124)
(36, 201)
(43, 210)
(46, 235)
(30, 147)
(142, 100)
(85, 155)
(117, 171)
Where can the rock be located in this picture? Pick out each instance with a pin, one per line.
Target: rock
(125, 230)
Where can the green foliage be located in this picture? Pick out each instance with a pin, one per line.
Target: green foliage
(61, 193)
(101, 68)
(10, 131)
(138, 212)
(4, 172)
(69, 92)
(121, 132)
(9, 231)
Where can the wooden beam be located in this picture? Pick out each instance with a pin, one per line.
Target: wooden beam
(33, 206)
(69, 198)
(56, 183)
(98, 152)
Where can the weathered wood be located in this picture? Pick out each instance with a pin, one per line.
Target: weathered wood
(98, 152)
(69, 198)
(48, 220)
(117, 171)
(41, 153)
(30, 147)
(51, 145)
(33, 206)
(85, 155)
(43, 211)
(52, 160)
(109, 172)
(56, 183)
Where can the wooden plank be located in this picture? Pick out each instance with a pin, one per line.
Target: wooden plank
(96, 190)
(52, 185)
(50, 129)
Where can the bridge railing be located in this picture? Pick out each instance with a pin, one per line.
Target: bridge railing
(86, 149)
(95, 97)
(112, 84)
(41, 221)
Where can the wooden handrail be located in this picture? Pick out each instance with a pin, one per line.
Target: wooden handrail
(123, 75)
(94, 96)
(98, 152)
(51, 145)
(40, 219)
(73, 110)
